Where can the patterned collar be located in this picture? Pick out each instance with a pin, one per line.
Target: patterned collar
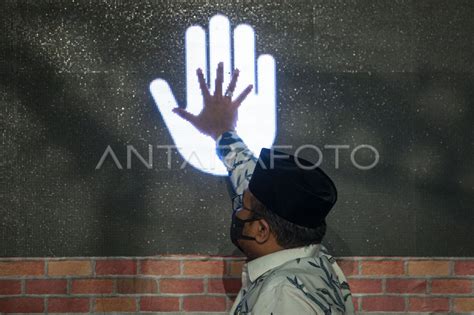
(261, 265)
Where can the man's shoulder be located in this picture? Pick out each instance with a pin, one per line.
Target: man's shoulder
(313, 272)
(300, 268)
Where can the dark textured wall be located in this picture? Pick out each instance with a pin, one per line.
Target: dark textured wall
(397, 75)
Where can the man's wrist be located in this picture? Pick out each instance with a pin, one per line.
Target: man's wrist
(218, 135)
(225, 141)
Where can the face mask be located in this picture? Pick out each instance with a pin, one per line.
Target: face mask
(236, 229)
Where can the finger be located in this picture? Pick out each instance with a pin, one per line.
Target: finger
(196, 57)
(233, 82)
(266, 95)
(243, 95)
(219, 47)
(244, 55)
(266, 78)
(202, 84)
(219, 79)
(185, 115)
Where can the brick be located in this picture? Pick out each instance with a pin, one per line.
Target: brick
(46, 286)
(418, 304)
(69, 268)
(451, 286)
(117, 304)
(428, 268)
(212, 267)
(365, 286)
(224, 286)
(8, 287)
(159, 304)
(405, 286)
(204, 304)
(383, 303)
(181, 286)
(90, 286)
(382, 267)
(235, 268)
(116, 267)
(22, 268)
(464, 267)
(159, 267)
(464, 304)
(134, 286)
(58, 305)
(349, 267)
(356, 302)
(22, 305)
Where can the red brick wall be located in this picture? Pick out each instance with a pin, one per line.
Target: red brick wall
(196, 283)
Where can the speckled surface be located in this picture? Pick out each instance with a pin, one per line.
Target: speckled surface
(397, 75)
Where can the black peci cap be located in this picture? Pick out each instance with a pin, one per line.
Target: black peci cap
(292, 189)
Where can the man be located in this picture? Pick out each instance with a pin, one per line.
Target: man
(278, 220)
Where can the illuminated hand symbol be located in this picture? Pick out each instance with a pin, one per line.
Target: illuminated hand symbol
(256, 124)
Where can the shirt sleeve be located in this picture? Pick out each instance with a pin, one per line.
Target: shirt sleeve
(237, 158)
(282, 300)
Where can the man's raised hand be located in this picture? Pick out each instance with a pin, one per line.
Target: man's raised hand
(220, 112)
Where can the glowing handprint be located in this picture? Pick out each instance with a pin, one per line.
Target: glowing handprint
(256, 124)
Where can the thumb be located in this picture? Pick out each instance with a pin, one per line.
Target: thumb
(166, 103)
(184, 114)
(163, 96)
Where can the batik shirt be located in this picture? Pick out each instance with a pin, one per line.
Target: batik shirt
(303, 280)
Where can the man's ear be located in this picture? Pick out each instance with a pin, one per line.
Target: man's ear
(263, 232)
